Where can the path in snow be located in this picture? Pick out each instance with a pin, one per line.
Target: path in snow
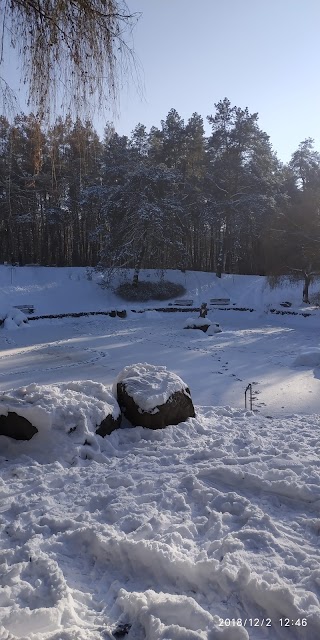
(251, 348)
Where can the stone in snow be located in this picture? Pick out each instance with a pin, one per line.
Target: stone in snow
(152, 397)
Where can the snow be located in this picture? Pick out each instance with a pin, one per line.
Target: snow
(148, 385)
(12, 318)
(206, 530)
(214, 328)
(66, 416)
(196, 322)
(308, 358)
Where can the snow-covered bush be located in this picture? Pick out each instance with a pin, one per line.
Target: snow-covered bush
(11, 318)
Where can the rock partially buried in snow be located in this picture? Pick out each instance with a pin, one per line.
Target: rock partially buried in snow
(197, 323)
(109, 424)
(14, 426)
(82, 408)
(150, 396)
(203, 324)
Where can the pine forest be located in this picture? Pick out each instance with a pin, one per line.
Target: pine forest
(168, 198)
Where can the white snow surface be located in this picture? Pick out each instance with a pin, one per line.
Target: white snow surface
(308, 358)
(196, 322)
(148, 385)
(206, 530)
(214, 328)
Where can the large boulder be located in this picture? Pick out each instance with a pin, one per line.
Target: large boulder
(16, 427)
(150, 396)
(109, 424)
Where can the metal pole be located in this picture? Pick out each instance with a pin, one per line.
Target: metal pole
(248, 388)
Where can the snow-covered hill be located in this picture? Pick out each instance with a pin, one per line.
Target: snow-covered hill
(206, 530)
(68, 289)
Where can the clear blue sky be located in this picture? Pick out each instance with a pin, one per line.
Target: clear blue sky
(263, 54)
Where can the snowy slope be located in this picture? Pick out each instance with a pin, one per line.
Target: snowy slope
(207, 530)
(67, 289)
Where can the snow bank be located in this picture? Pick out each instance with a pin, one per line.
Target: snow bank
(150, 386)
(66, 416)
(308, 358)
(177, 617)
(214, 328)
(12, 318)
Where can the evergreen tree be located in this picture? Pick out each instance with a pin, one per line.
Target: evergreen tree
(244, 173)
(295, 236)
(140, 220)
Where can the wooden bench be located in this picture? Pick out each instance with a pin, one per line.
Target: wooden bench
(25, 308)
(183, 303)
(220, 301)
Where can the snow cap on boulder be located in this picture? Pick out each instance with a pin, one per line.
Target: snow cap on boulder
(151, 396)
(196, 323)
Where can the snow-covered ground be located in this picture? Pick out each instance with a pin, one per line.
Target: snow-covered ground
(201, 531)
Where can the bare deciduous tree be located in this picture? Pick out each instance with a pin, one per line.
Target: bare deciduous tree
(73, 52)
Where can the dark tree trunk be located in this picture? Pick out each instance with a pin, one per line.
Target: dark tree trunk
(305, 293)
(219, 263)
(138, 266)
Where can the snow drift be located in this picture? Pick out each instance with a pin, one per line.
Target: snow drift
(65, 415)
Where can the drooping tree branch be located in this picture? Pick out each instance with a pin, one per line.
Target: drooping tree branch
(74, 53)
